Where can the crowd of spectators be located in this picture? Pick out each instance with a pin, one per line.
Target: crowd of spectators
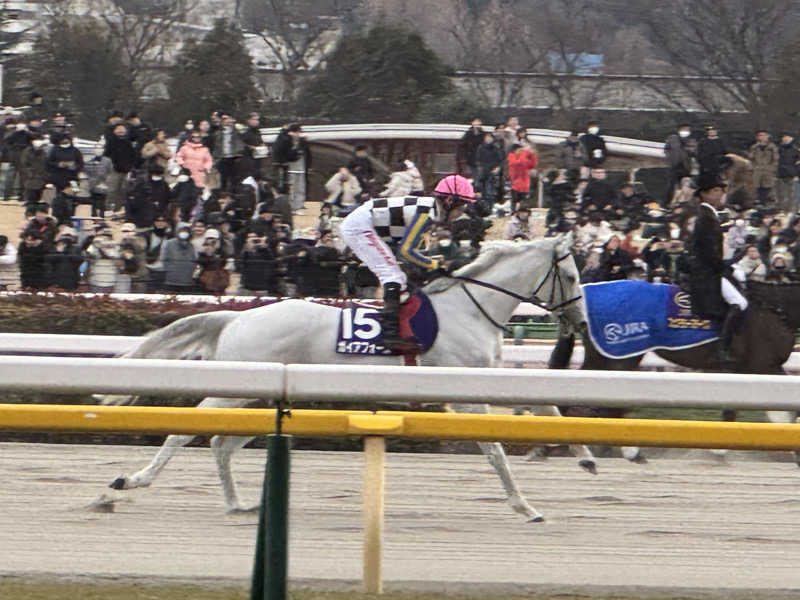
(628, 231)
(214, 212)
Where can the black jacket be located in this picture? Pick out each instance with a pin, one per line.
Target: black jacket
(594, 149)
(600, 193)
(709, 154)
(63, 165)
(258, 269)
(468, 147)
(489, 156)
(283, 150)
(122, 153)
(63, 267)
(706, 264)
(148, 199)
(788, 157)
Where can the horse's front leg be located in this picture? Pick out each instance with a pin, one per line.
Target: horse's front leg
(223, 447)
(497, 458)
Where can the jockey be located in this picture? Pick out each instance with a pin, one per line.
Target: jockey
(402, 220)
(713, 294)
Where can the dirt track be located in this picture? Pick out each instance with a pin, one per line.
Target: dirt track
(674, 523)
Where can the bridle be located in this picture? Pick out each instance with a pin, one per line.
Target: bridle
(558, 281)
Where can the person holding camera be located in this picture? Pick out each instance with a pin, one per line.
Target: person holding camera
(64, 261)
(213, 277)
(257, 267)
(32, 265)
(103, 257)
(132, 276)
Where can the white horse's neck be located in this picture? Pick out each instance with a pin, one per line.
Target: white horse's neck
(513, 266)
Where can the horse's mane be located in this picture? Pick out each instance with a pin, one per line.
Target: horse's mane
(489, 254)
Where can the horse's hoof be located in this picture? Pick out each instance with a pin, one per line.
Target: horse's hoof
(239, 510)
(588, 465)
(536, 519)
(639, 459)
(118, 484)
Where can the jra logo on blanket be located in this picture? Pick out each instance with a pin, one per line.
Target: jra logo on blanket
(360, 332)
(619, 332)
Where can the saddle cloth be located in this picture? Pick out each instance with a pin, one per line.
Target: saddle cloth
(628, 318)
(360, 330)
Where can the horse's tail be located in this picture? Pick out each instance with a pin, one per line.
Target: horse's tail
(562, 352)
(193, 337)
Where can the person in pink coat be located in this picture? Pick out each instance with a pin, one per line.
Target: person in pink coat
(520, 162)
(195, 156)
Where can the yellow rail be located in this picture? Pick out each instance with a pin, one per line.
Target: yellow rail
(443, 426)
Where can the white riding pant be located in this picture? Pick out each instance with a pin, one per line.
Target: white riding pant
(359, 234)
(731, 295)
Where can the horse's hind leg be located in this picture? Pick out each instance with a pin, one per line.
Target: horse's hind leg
(146, 476)
(585, 457)
(223, 447)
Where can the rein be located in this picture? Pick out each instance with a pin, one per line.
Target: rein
(553, 271)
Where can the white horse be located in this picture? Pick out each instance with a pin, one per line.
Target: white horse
(470, 310)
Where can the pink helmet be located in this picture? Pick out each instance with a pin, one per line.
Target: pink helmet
(458, 186)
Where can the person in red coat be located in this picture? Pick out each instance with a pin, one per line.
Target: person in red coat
(520, 163)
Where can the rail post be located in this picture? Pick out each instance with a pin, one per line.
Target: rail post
(374, 484)
(270, 568)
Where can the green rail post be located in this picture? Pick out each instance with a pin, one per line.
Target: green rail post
(271, 561)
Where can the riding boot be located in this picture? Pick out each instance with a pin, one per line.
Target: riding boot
(732, 318)
(391, 323)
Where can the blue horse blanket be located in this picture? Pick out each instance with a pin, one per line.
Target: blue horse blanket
(628, 318)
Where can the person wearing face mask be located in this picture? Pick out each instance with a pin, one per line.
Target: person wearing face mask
(32, 169)
(594, 149)
(678, 160)
(149, 198)
(154, 239)
(13, 147)
(63, 163)
(193, 155)
(186, 134)
(178, 259)
(184, 196)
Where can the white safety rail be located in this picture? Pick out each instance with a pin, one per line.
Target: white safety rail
(362, 383)
(446, 131)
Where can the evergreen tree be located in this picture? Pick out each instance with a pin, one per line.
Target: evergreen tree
(386, 75)
(79, 69)
(214, 73)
